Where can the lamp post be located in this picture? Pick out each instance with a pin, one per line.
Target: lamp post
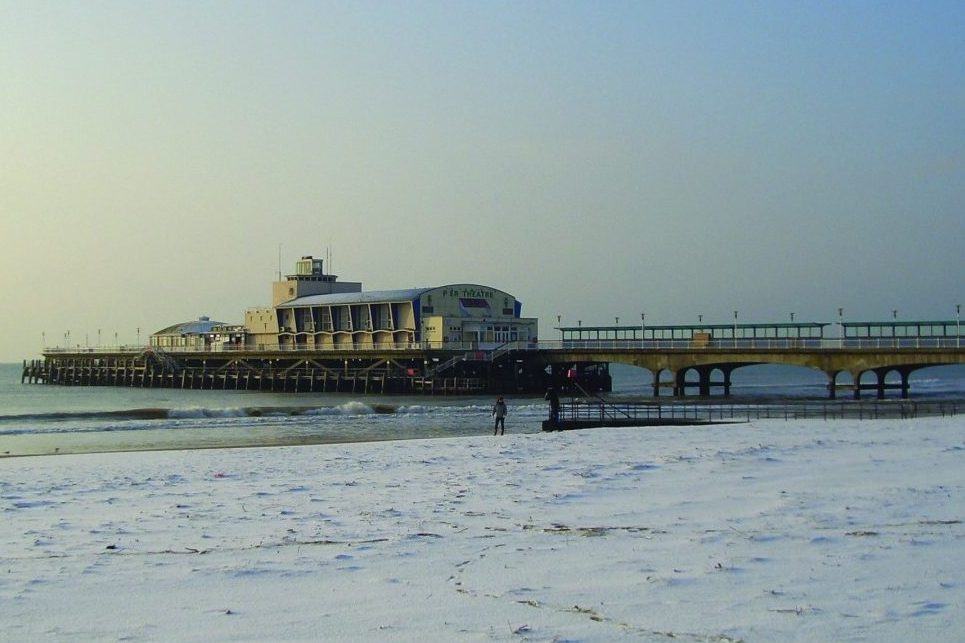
(643, 326)
(559, 325)
(841, 325)
(735, 329)
(958, 325)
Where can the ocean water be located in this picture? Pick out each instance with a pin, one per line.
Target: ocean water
(37, 419)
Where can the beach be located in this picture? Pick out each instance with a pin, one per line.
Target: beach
(765, 531)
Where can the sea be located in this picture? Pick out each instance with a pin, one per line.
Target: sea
(39, 419)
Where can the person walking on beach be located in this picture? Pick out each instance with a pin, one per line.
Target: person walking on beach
(554, 401)
(499, 412)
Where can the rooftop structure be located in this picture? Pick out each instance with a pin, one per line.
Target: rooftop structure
(310, 279)
(200, 334)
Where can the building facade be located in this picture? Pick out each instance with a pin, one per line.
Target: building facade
(202, 334)
(311, 310)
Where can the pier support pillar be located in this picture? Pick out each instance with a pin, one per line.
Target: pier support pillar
(832, 384)
(703, 381)
(880, 375)
(656, 381)
(727, 371)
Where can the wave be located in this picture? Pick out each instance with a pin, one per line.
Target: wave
(65, 416)
(197, 412)
(350, 408)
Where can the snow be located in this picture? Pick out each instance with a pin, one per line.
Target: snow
(791, 531)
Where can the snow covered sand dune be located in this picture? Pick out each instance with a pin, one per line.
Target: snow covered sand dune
(768, 531)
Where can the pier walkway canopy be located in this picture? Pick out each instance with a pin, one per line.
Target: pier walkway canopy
(696, 334)
(901, 333)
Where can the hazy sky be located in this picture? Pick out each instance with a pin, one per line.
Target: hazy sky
(594, 159)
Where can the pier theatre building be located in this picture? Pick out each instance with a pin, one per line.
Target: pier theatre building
(312, 310)
(321, 334)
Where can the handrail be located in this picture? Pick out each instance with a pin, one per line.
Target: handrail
(824, 344)
(723, 345)
(167, 362)
(444, 366)
(608, 412)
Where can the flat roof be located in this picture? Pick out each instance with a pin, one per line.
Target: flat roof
(364, 297)
(899, 324)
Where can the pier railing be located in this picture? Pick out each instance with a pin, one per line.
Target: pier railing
(489, 351)
(468, 348)
(872, 343)
(606, 413)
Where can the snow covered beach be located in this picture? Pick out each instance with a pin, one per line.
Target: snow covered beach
(766, 531)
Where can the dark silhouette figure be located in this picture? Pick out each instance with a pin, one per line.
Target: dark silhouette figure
(499, 412)
(554, 400)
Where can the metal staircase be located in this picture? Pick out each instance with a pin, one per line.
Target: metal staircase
(157, 356)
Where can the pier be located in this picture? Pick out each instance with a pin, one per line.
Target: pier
(322, 335)
(875, 357)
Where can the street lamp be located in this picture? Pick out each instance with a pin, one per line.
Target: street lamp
(735, 328)
(559, 325)
(792, 318)
(643, 326)
(958, 325)
(841, 324)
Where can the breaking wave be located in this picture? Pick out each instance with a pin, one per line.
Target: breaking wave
(350, 408)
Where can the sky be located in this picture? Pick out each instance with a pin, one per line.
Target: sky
(158, 160)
